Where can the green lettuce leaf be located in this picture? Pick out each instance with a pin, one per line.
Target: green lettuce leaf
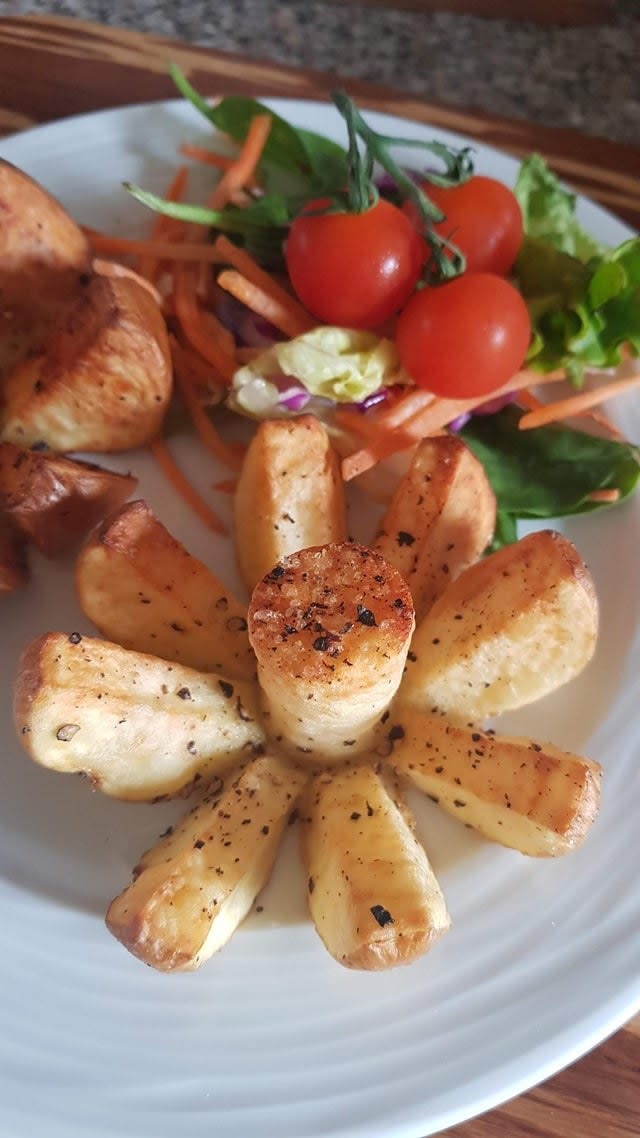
(583, 298)
(548, 211)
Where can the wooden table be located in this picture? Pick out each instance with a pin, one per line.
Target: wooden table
(53, 67)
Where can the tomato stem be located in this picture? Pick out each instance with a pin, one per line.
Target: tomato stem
(446, 259)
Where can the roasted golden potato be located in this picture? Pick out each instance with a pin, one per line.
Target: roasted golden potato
(192, 890)
(289, 495)
(440, 519)
(55, 501)
(44, 256)
(528, 795)
(14, 567)
(330, 627)
(142, 589)
(140, 728)
(511, 628)
(372, 894)
(101, 381)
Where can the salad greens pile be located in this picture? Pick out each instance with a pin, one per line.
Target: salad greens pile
(583, 298)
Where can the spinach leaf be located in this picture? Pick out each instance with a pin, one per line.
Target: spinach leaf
(550, 472)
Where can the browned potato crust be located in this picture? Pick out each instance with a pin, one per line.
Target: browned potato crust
(55, 501)
(102, 380)
(373, 896)
(142, 589)
(440, 519)
(43, 256)
(195, 886)
(528, 795)
(14, 568)
(330, 627)
(140, 728)
(290, 495)
(513, 627)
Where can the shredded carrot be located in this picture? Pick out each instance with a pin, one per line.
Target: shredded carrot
(229, 455)
(241, 172)
(181, 484)
(245, 264)
(201, 329)
(116, 269)
(577, 404)
(612, 495)
(161, 250)
(167, 228)
(427, 416)
(207, 157)
(263, 303)
(198, 371)
(226, 486)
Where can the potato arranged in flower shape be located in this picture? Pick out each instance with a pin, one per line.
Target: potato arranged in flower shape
(351, 705)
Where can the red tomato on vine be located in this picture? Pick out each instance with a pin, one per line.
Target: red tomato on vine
(464, 338)
(354, 269)
(483, 218)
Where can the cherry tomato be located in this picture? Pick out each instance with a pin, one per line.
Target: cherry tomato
(483, 218)
(354, 269)
(464, 338)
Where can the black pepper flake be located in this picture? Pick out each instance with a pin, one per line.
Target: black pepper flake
(74, 638)
(237, 624)
(199, 844)
(405, 538)
(354, 816)
(264, 830)
(365, 616)
(459, 803)
(276, 573)
(183, 693)
(177, 627)
(191, 747)
(67, 731)
(311, 885)
(382, 915)
(226, 688)
(397, 731)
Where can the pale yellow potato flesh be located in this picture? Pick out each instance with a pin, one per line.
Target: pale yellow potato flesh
(372, 894)
(530, 796)
(54, 500)
(144, 590)
(139, 727)
(440, 519)
(289, 495)
(512, 628)
(330, 627)
(198, 883)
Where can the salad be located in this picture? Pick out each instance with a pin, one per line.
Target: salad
(395, 302)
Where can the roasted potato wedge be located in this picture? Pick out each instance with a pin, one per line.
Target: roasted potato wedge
(44, 257)
(55, 501)
(330, 627)
(372, 894)
(101, 381)
(192, 890)
(14, 566)
(440, 519)
(289, 495)
(513, 627)
(530, 796)
(142, 589)
(140, 728)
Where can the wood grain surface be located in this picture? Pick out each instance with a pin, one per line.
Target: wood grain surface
(54, 67)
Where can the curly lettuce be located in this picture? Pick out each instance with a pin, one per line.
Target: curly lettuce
(583, 298)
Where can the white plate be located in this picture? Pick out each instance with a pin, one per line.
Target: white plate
(272, 1037)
